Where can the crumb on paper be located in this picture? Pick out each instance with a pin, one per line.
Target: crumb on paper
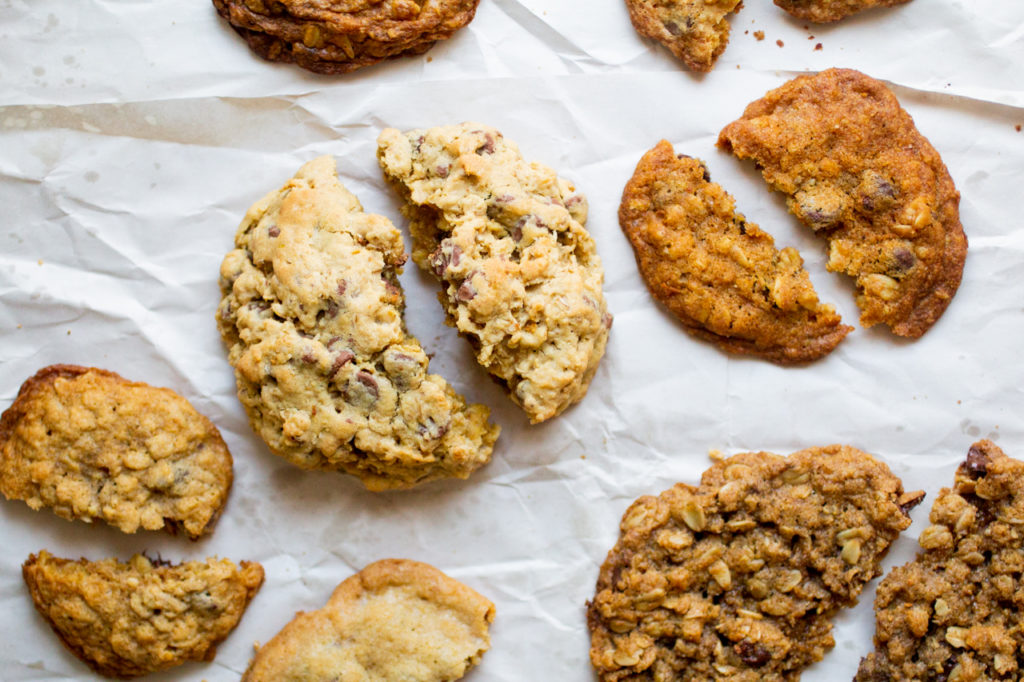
(716, 455)
(583, 456)
(810, 37)
(429, 59)
(747, 32)
(818, 46)
(779, 43)
(19, 326)
(1017, 127)
(69, 332)
(759, 35)
(39, 262)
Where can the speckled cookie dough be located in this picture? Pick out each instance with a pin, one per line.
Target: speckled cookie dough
(831, 10)
(696, 31)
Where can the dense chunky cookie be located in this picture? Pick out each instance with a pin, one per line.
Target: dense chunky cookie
(736, 579)
(337, 36)
(93, 445)
(718, 273)
(857, 171)
(957, 611)
(696, 31)
(135, 618)
(326, 370)
(396, 620)
(831, 10)
(521, 276)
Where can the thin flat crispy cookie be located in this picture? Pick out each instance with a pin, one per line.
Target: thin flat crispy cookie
(822, 11)
(718, 273)
(696, 31)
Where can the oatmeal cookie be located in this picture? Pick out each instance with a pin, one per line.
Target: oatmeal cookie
(822, 11)
(92, 445)
(326, 370)
(718, 273)
(396, 620)
(857, 172)
(696, 31)
(737, 579)
(957, 611)
(521, 277)
(135, 618)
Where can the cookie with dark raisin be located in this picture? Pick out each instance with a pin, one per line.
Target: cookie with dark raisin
(821, 11)
(695, 31)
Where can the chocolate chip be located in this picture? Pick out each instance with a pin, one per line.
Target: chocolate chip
(442, 171)
(342, 285)
(367, 380)
(673, 28)
(908, 501)
(340, 360)
(488, 146)
(444, 256)
(904, 259)
(331, 309)
(752, 653)
(516, 231)
(606, 320)
(466, 292)
(977, 462)
(309, 357)
(819, 218)
(573, 200)
(273, 230)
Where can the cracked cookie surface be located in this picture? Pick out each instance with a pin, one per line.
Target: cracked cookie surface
(737, 578)
(327, 372)
(695, 31)
(718, 273)
(90, 444)
(822, 11)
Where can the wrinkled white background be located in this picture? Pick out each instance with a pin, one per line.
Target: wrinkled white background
(135, 133)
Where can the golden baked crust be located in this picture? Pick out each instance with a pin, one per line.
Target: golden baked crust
(856, 170)
(135, 618)
(396, 620)
(718, 273)
(831, 10)
(93, 445)
(696, 31)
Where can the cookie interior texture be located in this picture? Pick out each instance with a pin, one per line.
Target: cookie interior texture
(396, 620)
(520, 274)
(737, 578)
(718, 273)
(134, 618)
(92, 445)
(327, 372)
(955, 612)
(821, 11)
(855, 169)
(696, 31)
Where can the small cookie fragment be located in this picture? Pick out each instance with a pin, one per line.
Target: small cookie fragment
(328, 374)
(92, 445)
(821, 11)
(696, 31)
(135, 618)
(856, 171)
(521, 276)
(737, 579)
(956, 612)
(718, 273)
(395, 620)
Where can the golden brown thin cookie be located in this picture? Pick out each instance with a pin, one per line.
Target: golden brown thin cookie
(718, 273)
(821, 11)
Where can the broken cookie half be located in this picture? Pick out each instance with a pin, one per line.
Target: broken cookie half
(821, 11)
(696, 31)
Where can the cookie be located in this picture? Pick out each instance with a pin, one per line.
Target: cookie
(338, 36)
(954, 613)
(327, 372)
(737, 578)
(718, 273)
(135, 618)
(395, 620)
(520, 276)
(856, 171)
(92, 445)
(822, 11)
(696, 31)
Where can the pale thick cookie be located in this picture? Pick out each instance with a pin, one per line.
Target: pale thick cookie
(135, 618)
(831, 10)
(956, 613)
(326, 370)
(394, 621)
(857, 171)
(738, 578)
(718, 273)
(521, 276)
(696, 31)
(92, 445)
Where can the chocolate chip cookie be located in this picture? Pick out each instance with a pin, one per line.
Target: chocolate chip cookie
(521, 276)
(955, 612)
(831, 10)
(135, 618)
(720, 274)
(696, 31)
(395, 620)
(737, 579)
(92, 445)
(327, 372)
(856, 171)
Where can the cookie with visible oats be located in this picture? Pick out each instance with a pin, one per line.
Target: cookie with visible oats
(718, 273)
(738, 578)
(822, 11)
(395, 620)
(955, 612)
(90, 444)
(695, 31)
(855, 169)
(135, 618)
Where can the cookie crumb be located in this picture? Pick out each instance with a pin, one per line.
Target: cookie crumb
(759, 35)
(810, 37)
(716, 455)
(1017, 127)
(39, 262)
(779, 43)
(817, 47)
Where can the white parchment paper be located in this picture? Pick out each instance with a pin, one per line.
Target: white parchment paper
(134, 135)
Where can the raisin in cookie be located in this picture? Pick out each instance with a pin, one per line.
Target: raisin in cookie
(696, 31)
(328, 373)
(737, 579)
(521, 276)
(396, 620)
(857, 171)
(135, 618)
(92, 445)
(718, 273)
(822, 11)
(955, 612)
